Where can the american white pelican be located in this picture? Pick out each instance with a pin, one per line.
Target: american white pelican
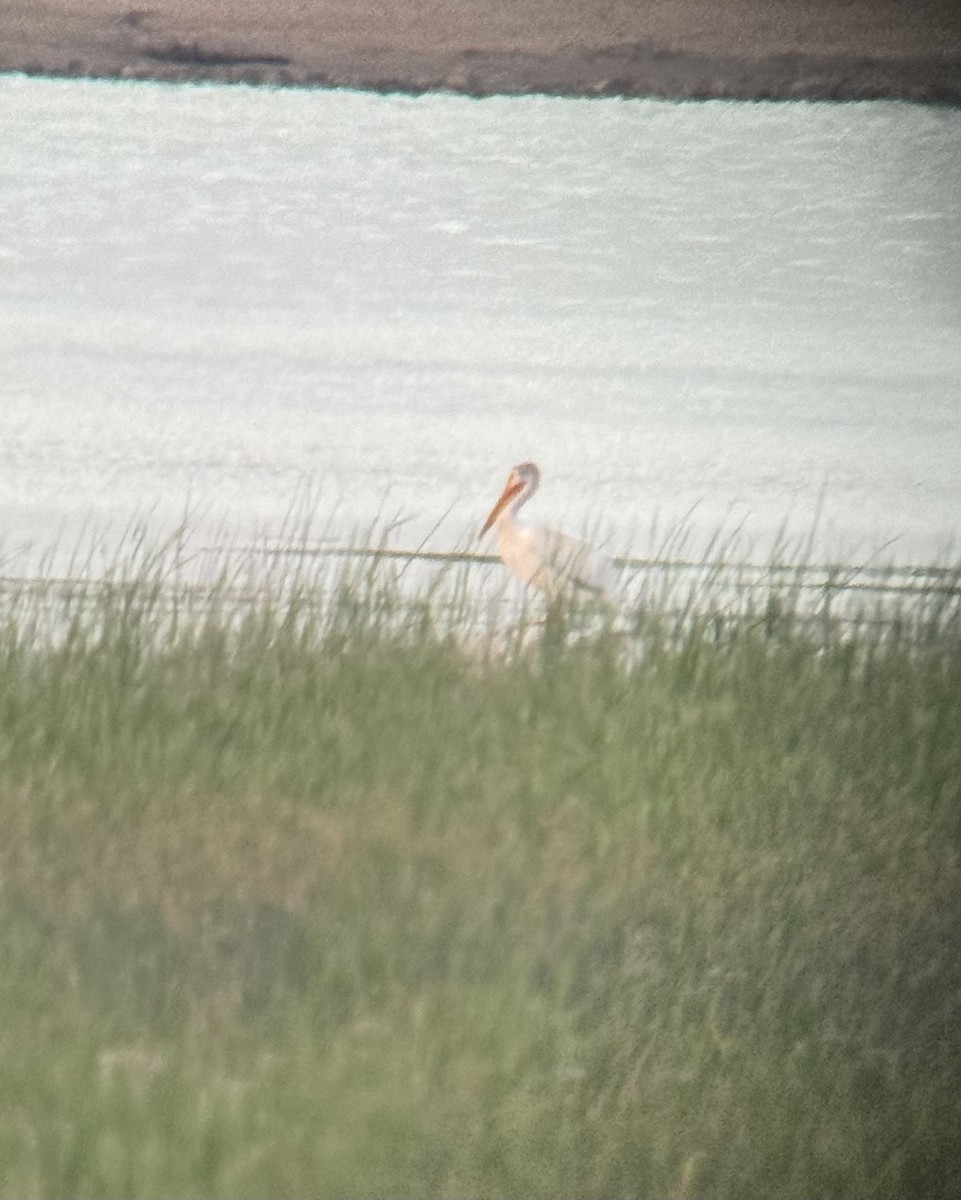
(551, 561)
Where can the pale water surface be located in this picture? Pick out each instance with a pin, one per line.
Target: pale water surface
(243, 303)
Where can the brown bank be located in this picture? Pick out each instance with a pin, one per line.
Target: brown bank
(750, 49)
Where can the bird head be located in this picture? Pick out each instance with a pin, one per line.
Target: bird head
(521, 485)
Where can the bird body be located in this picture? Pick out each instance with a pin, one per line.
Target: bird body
(547, 559)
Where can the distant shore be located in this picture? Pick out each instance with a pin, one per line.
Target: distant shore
(680, 49)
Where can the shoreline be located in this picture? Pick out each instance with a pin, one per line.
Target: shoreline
(673, 49)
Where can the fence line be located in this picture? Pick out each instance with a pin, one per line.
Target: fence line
(832, 576)
(824, 577)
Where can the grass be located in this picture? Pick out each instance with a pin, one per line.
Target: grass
(303, 893)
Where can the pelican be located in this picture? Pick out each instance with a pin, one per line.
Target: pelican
(553, 562)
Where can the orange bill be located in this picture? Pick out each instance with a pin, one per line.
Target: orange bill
(513, 486)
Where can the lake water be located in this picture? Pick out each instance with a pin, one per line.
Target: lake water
(242, 304)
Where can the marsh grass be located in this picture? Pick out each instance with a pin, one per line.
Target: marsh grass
(306, 891)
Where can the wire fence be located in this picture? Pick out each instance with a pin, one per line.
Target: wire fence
(866, 577)
(473, 589)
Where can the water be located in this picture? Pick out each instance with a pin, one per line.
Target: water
(243, 304)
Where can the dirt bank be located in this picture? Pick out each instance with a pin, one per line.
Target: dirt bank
(751, 49)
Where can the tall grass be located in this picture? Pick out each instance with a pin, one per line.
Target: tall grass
(305, 892)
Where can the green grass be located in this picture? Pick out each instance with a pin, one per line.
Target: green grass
(303, 894)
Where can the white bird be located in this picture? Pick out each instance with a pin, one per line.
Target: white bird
(553, 562)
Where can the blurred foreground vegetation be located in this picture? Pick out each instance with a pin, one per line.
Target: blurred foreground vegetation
(304, 893)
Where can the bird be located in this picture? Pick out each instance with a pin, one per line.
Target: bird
(553, 562)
